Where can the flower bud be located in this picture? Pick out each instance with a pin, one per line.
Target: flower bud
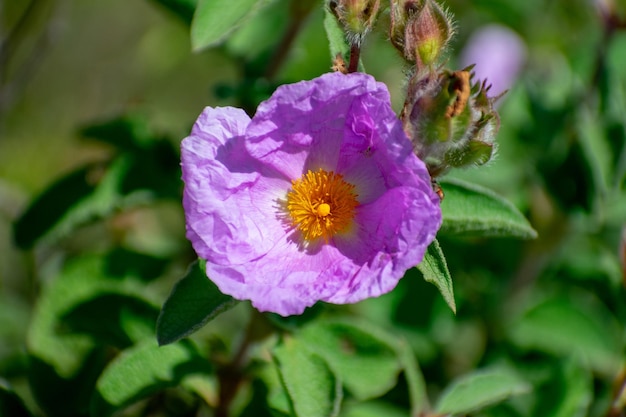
(420, 30)
(400, 12)
(356, 16)
(451, 122)
(427, 34)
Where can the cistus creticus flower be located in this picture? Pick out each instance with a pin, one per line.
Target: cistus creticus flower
(499, 54)
(318, 197)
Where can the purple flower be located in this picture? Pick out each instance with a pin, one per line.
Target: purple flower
(318, 197)
(499, 54)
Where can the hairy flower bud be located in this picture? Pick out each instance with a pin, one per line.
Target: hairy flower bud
(450, 121)
(420, 30)
(400, 12)
(356, 16)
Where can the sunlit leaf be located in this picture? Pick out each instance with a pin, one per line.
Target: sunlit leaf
(253, 39)
(363, 356)
(214, 20)
(313, 389)
(193, 302)
(435, 270)
(480, 389)
(143, 370)
(474, 210)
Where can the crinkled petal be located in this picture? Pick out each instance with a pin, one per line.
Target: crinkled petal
(238, 172)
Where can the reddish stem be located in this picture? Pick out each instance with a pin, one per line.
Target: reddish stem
(355, 55)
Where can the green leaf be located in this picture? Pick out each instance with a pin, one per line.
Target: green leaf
(579, 327)
(65, 364)
(124, 133)
(194, 301)
(414, 378)
(480, 389)
(97, 190)
(336, 36)
(12, 405)
(435, 270)
(253, 40)
(143, 370)
(122, 319)
(337, 42)
(312, 387)
(214, 20)
(567, 393)
(374, 409)
(181, 8)
(50, 206)
(81, 281)
(363, 356)
(474, 210)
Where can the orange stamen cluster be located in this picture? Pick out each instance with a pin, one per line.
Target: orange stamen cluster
(321, 204)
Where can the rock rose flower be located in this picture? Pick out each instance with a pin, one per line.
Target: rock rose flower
(318, 197)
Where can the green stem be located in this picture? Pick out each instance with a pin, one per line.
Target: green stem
(232, 375)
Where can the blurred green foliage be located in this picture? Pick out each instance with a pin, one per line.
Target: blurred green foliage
(94, 100)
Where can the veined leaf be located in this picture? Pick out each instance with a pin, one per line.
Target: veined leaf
(474, 210)
(435, 270)
(194, 301)
(214, 20)
(480, 389)
(312, 387)
(143, 370)
(364, 357)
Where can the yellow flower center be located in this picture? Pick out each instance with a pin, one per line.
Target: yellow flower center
(321, 204)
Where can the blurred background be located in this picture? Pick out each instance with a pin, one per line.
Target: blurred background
(84, 83)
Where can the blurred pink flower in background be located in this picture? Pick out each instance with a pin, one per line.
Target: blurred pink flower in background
(499, 54)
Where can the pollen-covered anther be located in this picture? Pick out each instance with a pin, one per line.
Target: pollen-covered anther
(321, 204)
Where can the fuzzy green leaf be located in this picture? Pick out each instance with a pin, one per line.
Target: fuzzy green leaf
(311, 386)
(66, 355)
(214, 20)
(336, 36)
(143, 370)
(579, 327)
(194, 301)
(435, 270)
(363, 356)
(474, 210)
(480, 389)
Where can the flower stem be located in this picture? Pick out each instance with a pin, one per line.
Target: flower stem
(231, 375)
(300, 10)
(355, 55)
